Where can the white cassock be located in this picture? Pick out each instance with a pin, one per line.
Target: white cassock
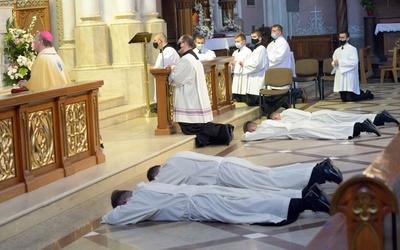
(279, 53)
(346, 74)
(191, 101)
(205, 54)
(200, 169)
(166, 56)
(255, 66)
(165, 202)
(324, 116)
(239, 82)
(271, 129)
(48, 71)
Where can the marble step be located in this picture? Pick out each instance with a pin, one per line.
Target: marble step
(108, 102)
(120, 114)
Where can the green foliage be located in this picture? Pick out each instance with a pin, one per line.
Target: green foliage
(368, 4)
(19, 51)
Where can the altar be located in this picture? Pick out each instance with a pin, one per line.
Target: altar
(387, 35)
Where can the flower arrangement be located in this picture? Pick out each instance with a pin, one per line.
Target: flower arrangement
(203, 28)
(19, 51)
(229, 24)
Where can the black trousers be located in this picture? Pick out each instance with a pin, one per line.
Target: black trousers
(209, 133)
(348, 96)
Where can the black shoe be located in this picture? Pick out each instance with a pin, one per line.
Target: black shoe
(318, 200)
(369, 94)
(388, 117)
(331, 172)
(369, 127)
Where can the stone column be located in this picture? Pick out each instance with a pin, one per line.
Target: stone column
(122, 29)
(67, 47)
(151, 24)
(341, 15)
(92, 38)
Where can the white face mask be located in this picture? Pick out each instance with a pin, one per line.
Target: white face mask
(273, 35)
(200, 46)
(238, 45)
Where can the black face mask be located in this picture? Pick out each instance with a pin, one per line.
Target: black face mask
(254, 41)
(155, 45)
(342, 42)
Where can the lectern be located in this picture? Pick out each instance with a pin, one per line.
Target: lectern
(144, 37)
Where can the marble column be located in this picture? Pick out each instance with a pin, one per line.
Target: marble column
(122, 29)
(66, 49)
(151, 24)
(92, 38)
(341, 16)
(149, 14)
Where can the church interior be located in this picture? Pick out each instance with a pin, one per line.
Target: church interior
(60, 205)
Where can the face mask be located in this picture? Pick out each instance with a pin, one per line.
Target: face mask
(273, 35)
(200, 46)
(238, 45)
(254, 41)
(155, 45)
(342, 42)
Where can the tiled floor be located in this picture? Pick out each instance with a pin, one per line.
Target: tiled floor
(78, 227)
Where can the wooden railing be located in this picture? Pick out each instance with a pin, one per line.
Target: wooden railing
(47, 135)
(218, 78)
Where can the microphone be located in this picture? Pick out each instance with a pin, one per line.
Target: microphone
(162, 56)
(342, 47)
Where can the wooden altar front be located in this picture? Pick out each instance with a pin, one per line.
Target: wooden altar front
(47, 135)
(218, 78)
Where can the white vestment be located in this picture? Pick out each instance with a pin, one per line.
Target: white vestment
(306, 129)
(167, 56)
(239, 82)
(279, 53)
(165, 202)
(191, 101)
(205, 54)
(346, 74)
(200, 169)
(255, 66)
(324, 116)
(48, 71)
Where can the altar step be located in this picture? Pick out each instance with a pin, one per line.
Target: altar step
(114, 110)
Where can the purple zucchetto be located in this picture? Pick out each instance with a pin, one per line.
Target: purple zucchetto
(47, 35)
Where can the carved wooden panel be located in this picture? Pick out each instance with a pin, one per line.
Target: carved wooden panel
(316, 47)
(26, 10)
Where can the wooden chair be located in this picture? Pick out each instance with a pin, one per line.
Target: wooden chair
(365, 64)
(394, 67)
(307, 70)
(278, 78)
(326, 75)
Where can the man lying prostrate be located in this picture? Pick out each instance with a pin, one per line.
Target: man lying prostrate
(165, 202)
(199, 169)
(330, 116)
(306, 129)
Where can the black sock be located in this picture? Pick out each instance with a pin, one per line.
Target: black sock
(357, 129)
(379, 120)
(296, 206)
(317, 176)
